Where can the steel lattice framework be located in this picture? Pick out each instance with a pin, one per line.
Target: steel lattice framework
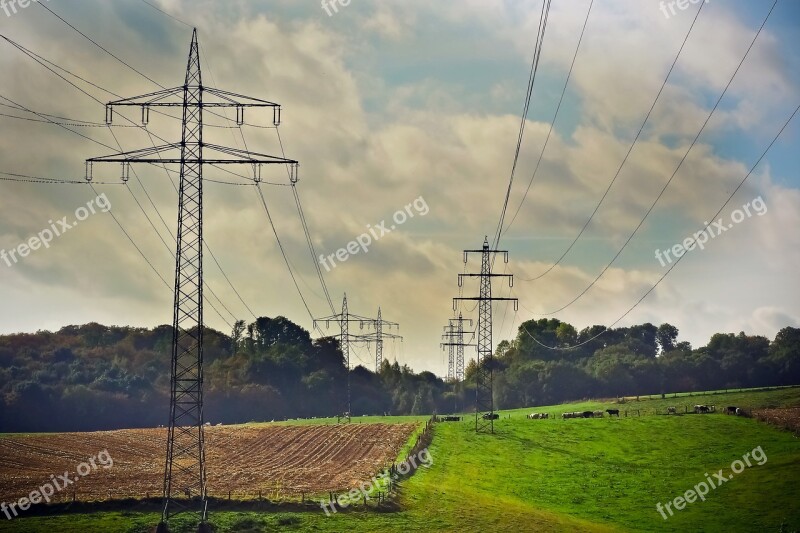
(184, 472)
(378, 336)
(454, 334)
(345, 339)
(450, 334)
(484, 399)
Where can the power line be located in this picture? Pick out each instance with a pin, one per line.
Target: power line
(153, 81)
(74, 124)
(678, 260)
(60, 125)
(553, 121)
(532, 77)
(311, 247)
(41, 61)
(285, 258)
(680, 164)
(99, 45)
(21, 107)
(167, 14)
(27, 178)
(625, 159)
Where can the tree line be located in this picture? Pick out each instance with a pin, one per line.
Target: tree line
(94, 377)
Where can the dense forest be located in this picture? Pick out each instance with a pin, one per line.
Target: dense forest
(97, 377)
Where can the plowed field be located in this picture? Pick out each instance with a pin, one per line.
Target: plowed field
(278, 461)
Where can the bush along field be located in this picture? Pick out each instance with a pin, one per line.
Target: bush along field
(609, 474)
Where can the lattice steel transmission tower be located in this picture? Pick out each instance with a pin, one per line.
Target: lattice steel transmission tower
(451, 336)
(185, 486)
(484, 399)
(378, 337)
(345, 339)
(454, 334)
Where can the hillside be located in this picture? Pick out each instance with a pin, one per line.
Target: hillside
(94, 377)
(561, 475)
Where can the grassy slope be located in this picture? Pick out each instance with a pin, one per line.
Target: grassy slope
(785, 397)
(555, 475)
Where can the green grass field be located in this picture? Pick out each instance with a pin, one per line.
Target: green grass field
(556, 475)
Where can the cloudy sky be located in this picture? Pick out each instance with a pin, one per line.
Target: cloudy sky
(387, 102)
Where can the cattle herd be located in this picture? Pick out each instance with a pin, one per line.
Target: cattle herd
(698, 409)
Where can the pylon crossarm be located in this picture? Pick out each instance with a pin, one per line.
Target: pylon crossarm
(226, 99)
(247, 156)
(142, 155)
(478, 299)
(148, 155)
(372, 337)
(338, 319)
(234, 99)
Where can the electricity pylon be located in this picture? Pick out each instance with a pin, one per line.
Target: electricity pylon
(484, 399)
(454, 333)
(378, 336)
(451, 336)
(454, 337)
(185, 486)
(345, 339)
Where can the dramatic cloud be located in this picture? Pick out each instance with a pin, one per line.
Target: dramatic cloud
(387, 102)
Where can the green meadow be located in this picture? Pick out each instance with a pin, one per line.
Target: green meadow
(557, 475)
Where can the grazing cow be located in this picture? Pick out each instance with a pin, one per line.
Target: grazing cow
(701, 409)
(538, 416)
(598, 414)
(613, 412)
(672, 411)
(731, 410)
(587, 414)
(451, 419)
(490, 416)
(574, 414)
(740, 412)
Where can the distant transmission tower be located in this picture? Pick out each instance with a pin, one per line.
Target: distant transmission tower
(484, 400)
(378, 337)
(454, 334)
(451, 336)
(185, 472)
(345, 339)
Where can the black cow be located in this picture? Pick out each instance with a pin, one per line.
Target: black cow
(490, 416)
(613, 412)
